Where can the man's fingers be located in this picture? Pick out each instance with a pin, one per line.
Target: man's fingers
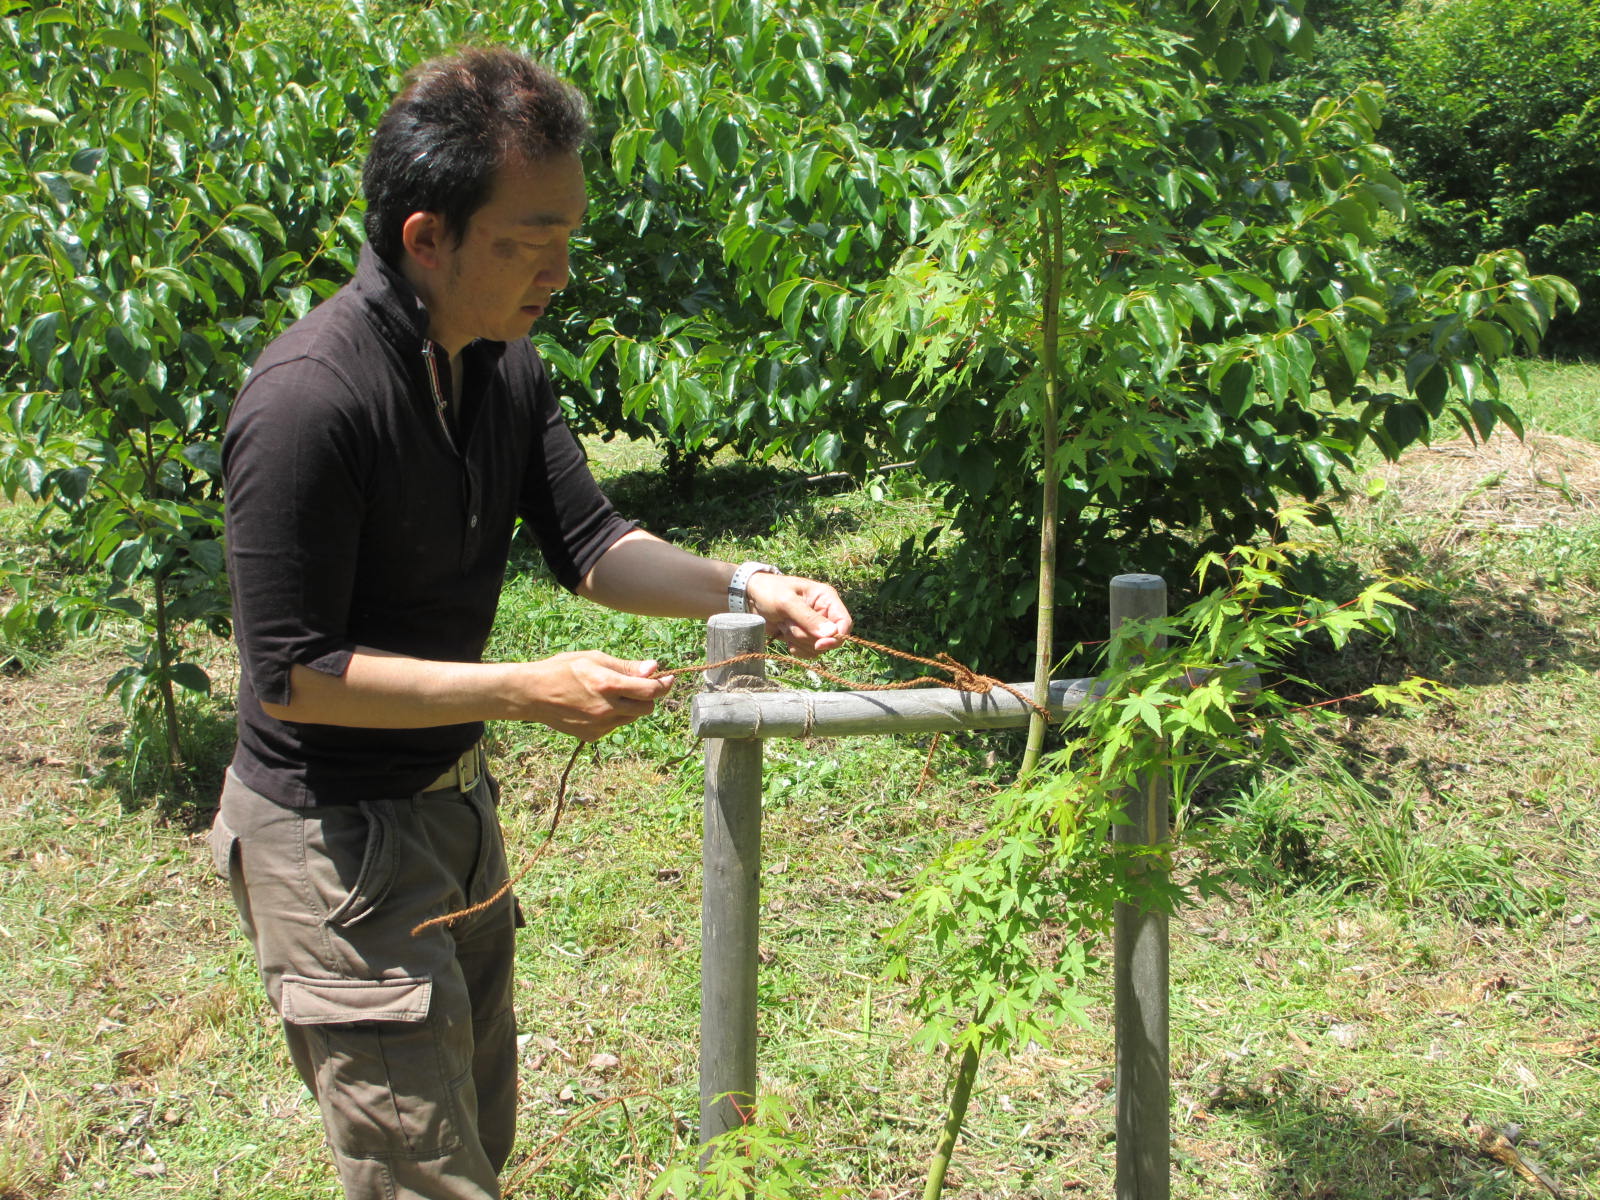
(620, 677)
(819, 623)
(648, 669)
(637, 683)
(620, 666)
(839, 617)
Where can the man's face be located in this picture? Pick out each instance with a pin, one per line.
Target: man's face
(499, 278)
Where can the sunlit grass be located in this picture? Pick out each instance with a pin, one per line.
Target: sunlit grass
(1561, 398)
(1413, 934)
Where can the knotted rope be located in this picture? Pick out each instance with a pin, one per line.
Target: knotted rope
(959, 677)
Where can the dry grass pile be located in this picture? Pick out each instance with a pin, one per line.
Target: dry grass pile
(1498, 483)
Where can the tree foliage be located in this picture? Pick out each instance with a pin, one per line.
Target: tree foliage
(1352, 37)
(1226, 331)
(176, 193)
(1491, 112)
(814, 231)
(1496, 116)
(1223, 272)
(759, 163)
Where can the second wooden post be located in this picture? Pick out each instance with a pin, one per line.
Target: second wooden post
(730, 896)
(1144, 1122)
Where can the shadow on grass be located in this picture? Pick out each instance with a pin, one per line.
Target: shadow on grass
(1329, 1152)
(1475, 621)
(132, 765)
(1460, 631)
(734, 499)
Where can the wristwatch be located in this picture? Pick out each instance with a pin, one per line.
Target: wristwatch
(738, 599)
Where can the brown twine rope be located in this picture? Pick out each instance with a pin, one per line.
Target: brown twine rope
(504, 889)
(962, 678)
(515, 1176)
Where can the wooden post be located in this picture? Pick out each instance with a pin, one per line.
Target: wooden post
(1142, 1087)
(730, 896)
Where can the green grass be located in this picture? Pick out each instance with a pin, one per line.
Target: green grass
(1559, 398)
(1412, 936)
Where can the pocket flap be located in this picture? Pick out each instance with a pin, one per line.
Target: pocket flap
(347, 1001)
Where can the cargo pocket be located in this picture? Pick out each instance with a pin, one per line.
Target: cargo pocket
(375, 875)
(382, 1081)
(348, 1001)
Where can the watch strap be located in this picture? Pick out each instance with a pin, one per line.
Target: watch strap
(738, 586)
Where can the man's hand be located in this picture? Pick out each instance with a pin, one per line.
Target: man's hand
(642, 574)
(806, 614)
(588, 694)
(583, 693)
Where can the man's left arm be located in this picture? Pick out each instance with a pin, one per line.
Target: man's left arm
(642, 574)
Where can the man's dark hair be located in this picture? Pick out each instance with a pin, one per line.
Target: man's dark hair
(453, 125)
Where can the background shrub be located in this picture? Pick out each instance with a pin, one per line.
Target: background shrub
(1494, 115)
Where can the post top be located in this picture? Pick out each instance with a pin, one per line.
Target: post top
(1138, 581)
(732, 621)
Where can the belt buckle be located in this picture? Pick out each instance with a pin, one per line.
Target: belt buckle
(461, 775)
(467, 769)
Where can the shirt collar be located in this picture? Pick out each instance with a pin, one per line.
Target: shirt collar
(392, 300)
(398, 309)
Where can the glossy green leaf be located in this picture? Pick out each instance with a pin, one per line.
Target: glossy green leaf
(836, 311)
(1237, 390)
(189, 675)
(123, 39)
(1275, 373)
(635, 90)
(207, 554)
(40, 339)
(130, 81)
(1405, 423)
(262, 218)
(24, 115)
(728, 142)
(131, 359)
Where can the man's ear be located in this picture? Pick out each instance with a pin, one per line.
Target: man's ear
(423, 235)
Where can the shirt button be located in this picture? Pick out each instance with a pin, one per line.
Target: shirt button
(474, 521)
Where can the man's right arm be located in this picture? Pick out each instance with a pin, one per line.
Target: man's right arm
(583, 693)
(294, 458)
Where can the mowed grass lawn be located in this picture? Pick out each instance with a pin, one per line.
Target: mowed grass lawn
(1412, 948)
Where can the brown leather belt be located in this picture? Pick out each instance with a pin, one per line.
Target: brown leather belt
(462, 775)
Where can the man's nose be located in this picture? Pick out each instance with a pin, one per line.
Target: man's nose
(556, 272)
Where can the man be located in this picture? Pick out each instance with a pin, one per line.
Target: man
(376, 463)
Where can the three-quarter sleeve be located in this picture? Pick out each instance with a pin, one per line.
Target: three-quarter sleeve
(293, 469)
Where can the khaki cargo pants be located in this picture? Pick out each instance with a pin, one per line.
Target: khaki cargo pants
(407, 1043)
